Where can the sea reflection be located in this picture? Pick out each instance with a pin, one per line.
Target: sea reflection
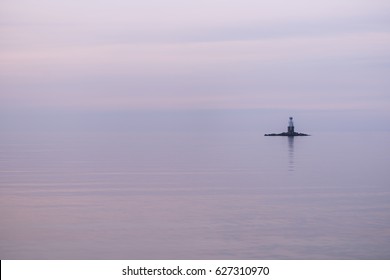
(291, 165)
(195, 196)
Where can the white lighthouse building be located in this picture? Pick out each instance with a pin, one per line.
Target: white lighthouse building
(290, 128)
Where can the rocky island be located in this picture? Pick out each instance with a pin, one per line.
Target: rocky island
(290, 131)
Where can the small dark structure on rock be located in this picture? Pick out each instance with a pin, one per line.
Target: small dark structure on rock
(290, 131)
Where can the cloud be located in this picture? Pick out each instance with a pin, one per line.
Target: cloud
(194, 54)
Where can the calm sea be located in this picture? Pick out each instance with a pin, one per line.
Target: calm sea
(187, 195)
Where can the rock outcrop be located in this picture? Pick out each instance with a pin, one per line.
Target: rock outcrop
(287, 134)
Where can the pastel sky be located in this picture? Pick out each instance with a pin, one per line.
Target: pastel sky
(203, 54)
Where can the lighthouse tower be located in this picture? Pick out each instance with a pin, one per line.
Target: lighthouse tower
(290, 129)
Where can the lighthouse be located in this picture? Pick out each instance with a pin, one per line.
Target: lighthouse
(290, 131)
(290, 128)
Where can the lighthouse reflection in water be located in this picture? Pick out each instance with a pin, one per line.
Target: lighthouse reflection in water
(290, 153)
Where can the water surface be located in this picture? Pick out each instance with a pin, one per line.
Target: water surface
(187, 195)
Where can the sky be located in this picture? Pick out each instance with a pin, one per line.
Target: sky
(124, 55)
